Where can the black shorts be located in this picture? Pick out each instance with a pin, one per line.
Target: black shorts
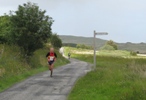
(50, 62)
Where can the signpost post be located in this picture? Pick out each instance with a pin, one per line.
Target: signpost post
(97, 33)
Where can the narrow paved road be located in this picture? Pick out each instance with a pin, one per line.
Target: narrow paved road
(42, 87)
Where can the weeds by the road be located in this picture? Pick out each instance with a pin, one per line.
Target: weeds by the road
(115, 78)
(14, 68)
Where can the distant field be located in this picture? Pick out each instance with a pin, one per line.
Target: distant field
(72, 40)
(115, 78)
(115, 53)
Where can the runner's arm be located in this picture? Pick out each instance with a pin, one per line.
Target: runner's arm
(47, 54)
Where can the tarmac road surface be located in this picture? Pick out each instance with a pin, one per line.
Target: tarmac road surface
(42, 87)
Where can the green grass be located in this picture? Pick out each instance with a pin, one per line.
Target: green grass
(14, 68)
(6, 82)
(115, 53)
(115, 78)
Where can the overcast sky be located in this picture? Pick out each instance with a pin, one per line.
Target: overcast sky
(124, 20)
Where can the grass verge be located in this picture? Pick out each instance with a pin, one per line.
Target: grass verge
(6, 82)
(115, 78)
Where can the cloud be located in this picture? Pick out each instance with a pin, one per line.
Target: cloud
(104, 5)
(121, 18)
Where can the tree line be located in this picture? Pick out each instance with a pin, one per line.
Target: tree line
(109, 45)
(29, 28)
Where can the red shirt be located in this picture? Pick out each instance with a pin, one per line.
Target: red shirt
(51, 56)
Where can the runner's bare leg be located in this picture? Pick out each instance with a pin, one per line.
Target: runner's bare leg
(51, 69)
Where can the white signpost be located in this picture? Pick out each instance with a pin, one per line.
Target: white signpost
(97, 33)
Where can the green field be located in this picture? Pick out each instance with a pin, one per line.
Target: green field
(113, 53)
(14, 68)
(115, 78)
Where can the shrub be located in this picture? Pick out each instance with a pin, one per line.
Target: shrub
(137, 52)
(107, 47)
(132, 53)
(83, 46)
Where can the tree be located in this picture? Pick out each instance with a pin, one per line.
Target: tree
(111, 43)
(56, 41)
(30, 28)
(4, 28)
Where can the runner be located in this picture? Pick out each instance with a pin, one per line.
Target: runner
(69, 55)
(51, 56)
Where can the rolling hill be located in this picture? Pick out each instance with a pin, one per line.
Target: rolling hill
(141, 47)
